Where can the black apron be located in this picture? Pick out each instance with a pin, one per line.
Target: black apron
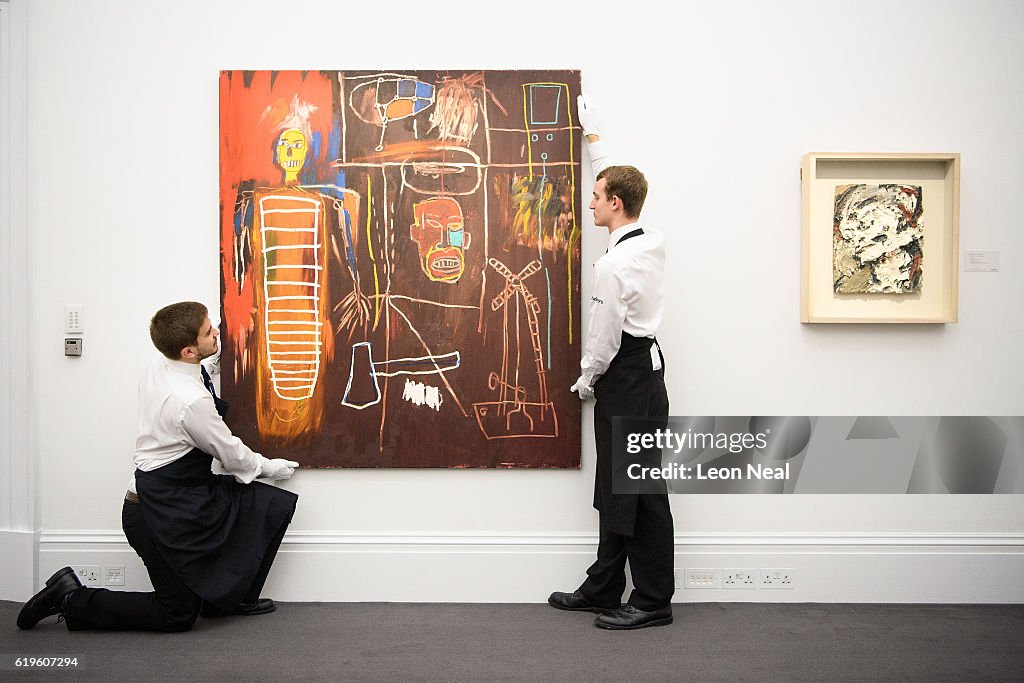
(212, 530)
(629, 388)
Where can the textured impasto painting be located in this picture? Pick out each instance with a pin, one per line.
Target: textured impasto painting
(400, 266)
(878, 232)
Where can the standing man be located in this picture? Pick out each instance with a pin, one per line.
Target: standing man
(624, 369)
(207, 540)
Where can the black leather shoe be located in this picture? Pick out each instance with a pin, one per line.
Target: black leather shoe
(629, 617)
(574, 602)
(50, 600)
(245, 609)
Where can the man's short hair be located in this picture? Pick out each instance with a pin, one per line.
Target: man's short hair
(628, 184)
(176, 326)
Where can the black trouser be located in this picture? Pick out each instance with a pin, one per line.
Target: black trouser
(650, 551)
(171, 606)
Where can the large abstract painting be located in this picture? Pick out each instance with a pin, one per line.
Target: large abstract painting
(400, 266)
(877, 239)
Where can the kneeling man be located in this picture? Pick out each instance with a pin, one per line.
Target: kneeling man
(207, 540)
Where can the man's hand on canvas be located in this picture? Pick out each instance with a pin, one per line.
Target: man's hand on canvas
(278, 469)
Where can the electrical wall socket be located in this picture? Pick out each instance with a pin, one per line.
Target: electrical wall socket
(739, 578)
(88, 574)
(776, 578)
(701, 578)
(113, 575)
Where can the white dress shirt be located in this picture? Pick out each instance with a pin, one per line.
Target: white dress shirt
(628, 295)
(629, 289)
(177, 414)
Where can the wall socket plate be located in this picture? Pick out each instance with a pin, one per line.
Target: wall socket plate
(113, 575)
(776, 577)
(733, 577)
(702, 578)
(88, 574)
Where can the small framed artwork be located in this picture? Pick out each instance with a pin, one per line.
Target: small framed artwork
(880, 238)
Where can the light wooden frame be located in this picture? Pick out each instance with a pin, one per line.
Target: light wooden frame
(939, 176)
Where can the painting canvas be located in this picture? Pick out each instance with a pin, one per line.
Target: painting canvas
(400, 266)
(877, 238)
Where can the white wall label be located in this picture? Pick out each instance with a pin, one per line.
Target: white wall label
(981, 261)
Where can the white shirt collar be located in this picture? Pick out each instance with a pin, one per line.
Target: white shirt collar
(620, 232)
(183, 367)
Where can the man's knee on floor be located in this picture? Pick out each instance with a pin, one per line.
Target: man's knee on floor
(178, 625)
(182, 617)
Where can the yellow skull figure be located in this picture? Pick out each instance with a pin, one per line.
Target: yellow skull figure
(291, 153)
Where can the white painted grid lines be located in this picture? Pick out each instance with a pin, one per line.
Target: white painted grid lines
(291, 290)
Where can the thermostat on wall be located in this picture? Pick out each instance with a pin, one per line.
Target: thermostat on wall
(73, 346)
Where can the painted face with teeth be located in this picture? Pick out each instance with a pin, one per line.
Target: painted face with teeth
(441, 238)
(291, 153)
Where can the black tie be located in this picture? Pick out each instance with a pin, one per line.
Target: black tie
(221, 404)
(207, 381)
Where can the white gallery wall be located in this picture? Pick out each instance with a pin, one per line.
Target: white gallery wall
(116, 146)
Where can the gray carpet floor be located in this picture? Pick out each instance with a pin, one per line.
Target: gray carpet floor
(458, 642)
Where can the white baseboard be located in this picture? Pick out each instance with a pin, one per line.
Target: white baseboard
(18, 564)
(523, 567)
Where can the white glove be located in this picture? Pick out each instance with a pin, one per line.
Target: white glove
(278, 469)
(583, 389)
(587, 116)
